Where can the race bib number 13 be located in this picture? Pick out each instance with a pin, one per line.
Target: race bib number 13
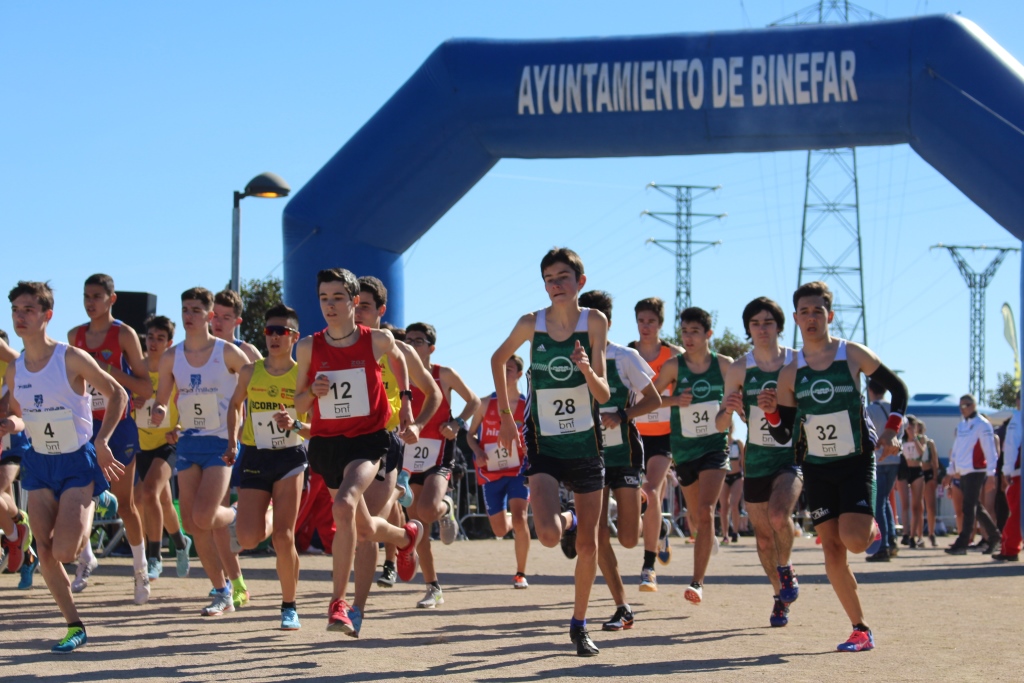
(499, 458)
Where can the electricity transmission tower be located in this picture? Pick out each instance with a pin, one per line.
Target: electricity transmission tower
(683, 244)
(830, 245)
(977, 283)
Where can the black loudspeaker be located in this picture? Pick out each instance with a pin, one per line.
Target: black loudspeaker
(134, 308)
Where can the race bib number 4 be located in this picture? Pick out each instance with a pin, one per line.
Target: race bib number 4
(98, 400)
(612, 437)
(267, 434)
(829, 436)
(143, 415)
(758, 428)
(698, 419)
(425, 454)
(198, 411)
(347, 396)
(499, 458)
(52, 433)
(564, 411)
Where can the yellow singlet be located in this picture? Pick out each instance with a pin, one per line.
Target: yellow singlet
(150, 439)
(391, 391)
(267, 393)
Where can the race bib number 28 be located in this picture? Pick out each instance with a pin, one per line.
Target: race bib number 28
(564, 411)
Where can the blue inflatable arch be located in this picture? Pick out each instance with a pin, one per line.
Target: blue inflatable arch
(938, 83)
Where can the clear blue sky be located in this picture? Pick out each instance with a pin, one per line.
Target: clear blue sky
(126, 126)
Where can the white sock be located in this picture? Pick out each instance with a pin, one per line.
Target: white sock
(138, 556)
(87, 555)
(13, 536)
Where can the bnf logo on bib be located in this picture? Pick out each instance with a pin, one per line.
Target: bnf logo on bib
(560, 368)
(822, 391)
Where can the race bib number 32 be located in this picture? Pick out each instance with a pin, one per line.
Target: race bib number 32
(564, 411)
(829, 436)
(347, 395)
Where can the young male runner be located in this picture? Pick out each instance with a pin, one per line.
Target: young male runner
(567, 382)
(227, 316)
(433, 455)
(632, 396)
(63, 470)
(339, 383)
(654, 429)
(772, 480)
(204, 370)
(156, 457)
(116, 347)
(500, 470)
(274, 457)
(820, 391)
(699, 448)
(17, 539)
(381, 495)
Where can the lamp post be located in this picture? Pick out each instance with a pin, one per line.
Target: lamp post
(263, 185)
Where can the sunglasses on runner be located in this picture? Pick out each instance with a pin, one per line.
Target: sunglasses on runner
(277, 330)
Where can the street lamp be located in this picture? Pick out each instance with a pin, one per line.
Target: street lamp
(263, 185)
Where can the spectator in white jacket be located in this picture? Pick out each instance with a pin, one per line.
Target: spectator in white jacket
(973, 450)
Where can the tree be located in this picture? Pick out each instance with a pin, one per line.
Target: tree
(1005, 393)
(257, 297)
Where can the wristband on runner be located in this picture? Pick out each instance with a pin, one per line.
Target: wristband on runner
(774, 419)
(895, 422)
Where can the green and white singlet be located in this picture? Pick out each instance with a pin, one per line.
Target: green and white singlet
(628, 375)
(830, 408)
(694, 433)
(765, 456)
(560, 414)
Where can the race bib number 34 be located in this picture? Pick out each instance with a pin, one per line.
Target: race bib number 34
(829, 436)
(347, 395)
(268, 435)
(698, 419)
(52, 433)
(564, 411)
(198, 411)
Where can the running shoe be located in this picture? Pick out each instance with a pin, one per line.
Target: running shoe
(995, 545)
(221, 604)
(715, 546)
(407, 557)
(141, 587)
(14, 554)
(790, 586)
(431, 599)
(664, 549)
(154, 568)
(28, 570)
(780, 614)
(956, 550)
(568, 541)
(620, 621)
(519, 581)
(82, 573)
(74, 639)
(694, 593)
(648, 581)
(883, 555)
(236, 547)
(338, 619)
(356, 615)
(239, 598)
(725, 540)
(1001, 557)
(387, 577)
(931, 539)
(906, 541)
(857, 642)
(290, 619)
(584, 645)
(181, 558)
(876, 545)
(449, 527)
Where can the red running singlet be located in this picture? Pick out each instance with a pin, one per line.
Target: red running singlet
(356, 403)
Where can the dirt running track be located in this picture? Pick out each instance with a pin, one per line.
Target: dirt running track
(934, 617)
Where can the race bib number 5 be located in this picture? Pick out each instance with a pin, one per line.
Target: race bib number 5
(347, 396)
(52, 433)
(425, 454)
(564, 411)
(198, 411)
(698, 419)
(829, 436)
